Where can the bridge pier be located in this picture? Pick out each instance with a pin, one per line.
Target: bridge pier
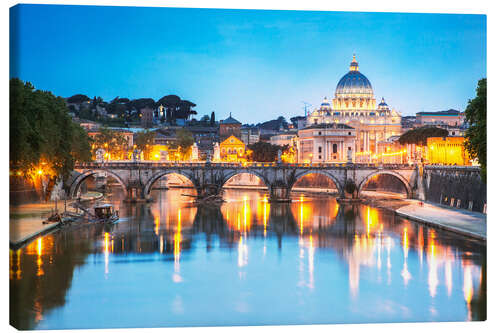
(135, 194)
(279, 194)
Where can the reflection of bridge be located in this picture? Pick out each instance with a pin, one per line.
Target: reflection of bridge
(137, 178)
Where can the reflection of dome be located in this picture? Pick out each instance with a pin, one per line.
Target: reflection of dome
(354, 84)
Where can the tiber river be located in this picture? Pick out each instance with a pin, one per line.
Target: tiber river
(248, 262)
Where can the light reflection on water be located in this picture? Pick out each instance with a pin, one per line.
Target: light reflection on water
(248, 262)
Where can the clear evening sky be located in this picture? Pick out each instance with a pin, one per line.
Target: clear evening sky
(256, 64)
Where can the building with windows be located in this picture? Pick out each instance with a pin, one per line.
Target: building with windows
(320, 143)
(232, 150)
(284, 138)
(228, 127)
(250, 135)
(448, 150)
(450, 118)
(354, 105)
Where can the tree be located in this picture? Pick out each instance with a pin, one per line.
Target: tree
(115, 144)
(475, 115)
(43, 139)
(78, 99)
(145, 141)
(264, 152)
(419, 135)
(212, 119)
(184, 142)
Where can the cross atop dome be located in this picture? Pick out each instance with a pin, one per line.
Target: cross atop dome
(354, 64)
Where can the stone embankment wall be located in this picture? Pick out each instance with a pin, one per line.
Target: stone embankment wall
(459, 187)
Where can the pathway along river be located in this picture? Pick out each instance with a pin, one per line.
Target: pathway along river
(248, 263)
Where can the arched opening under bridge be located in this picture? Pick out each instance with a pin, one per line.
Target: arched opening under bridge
(163, 181)
(316, 182)
(385, 183)
(103, 181)
(245, 180)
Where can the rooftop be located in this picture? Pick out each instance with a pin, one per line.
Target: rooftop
(450, 112)
(230, 120)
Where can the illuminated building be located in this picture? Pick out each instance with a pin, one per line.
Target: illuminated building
(326, 143)
(228, 127)
(284, 138)
(355, 106)
(232, 150)
(453, 118)
(449, 150)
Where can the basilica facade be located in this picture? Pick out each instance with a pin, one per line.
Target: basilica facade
(354, 105)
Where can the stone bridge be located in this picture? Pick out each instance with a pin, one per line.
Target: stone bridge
(137, 178)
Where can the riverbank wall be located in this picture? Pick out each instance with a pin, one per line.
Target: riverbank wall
(455, 186)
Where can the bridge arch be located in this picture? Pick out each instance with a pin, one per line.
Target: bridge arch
(78, 180)
(301, 174)
(158, 175)
(398, 176)
(233, 173)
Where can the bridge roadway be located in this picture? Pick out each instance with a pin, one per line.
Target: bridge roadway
(137, 178)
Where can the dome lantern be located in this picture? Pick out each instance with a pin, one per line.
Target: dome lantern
(354, 64)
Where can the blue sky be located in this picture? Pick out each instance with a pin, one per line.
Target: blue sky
(256, 64)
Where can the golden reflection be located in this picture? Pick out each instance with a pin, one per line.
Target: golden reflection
(39, 261)
(177, 248)
(468, 288)
(242, 215)
(106, 252)
(372, 220)
(157, 224)
(265, 204)
(313, 214)
(420, 242)
(15, 268)
(405, 273)
(178, 237)
(432, 262)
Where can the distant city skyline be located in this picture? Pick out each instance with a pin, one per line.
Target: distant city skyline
(256, 64)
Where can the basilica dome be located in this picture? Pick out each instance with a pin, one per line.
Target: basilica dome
(354, 84)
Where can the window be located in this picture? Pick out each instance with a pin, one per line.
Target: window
(319, 150)
(334, 148)
(319, 157)
(319, 133)
(349, 133)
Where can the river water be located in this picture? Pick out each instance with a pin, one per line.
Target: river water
(248, 262)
